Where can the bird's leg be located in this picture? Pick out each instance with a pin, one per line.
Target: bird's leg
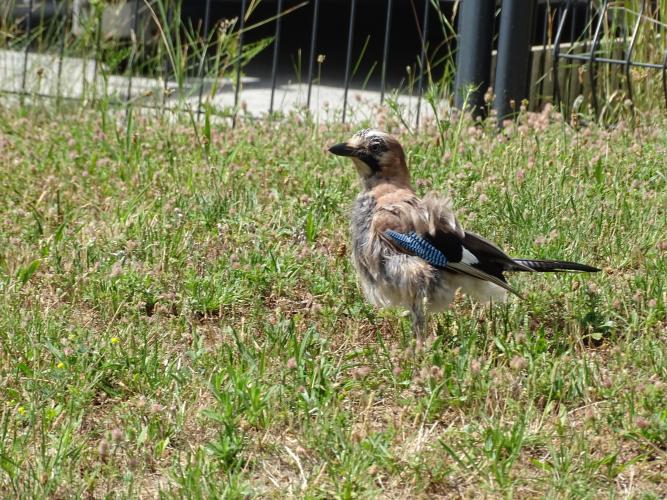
(418, 316)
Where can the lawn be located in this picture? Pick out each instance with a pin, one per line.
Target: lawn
(179, 316)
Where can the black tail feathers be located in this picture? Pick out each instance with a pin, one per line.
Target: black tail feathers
(555, 266)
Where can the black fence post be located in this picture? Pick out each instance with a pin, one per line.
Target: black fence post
(513, 61)
(61, 54)
(385, 51)
(348, 57)
(28, 27)
(423, 61)
(202, 62)
(602, 13)
(473, 58)
(134, 40)
(98, 49)
(239, 54)
(628, 54)
(276, 50)
(556, 50)
(313, 41)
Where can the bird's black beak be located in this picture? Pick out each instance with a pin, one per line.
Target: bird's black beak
(342, 149)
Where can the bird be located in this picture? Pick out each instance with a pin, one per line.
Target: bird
(412, 252)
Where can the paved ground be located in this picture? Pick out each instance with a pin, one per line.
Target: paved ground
(74, 78)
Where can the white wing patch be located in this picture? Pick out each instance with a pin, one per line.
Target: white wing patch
(468, 257)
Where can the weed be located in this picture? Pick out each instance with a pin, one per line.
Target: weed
(183, 320)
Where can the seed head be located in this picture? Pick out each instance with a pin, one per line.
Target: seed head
(116, 435)
(642, 423)
(103, 449)
(361, 372)
(436, 372)
(518, 363)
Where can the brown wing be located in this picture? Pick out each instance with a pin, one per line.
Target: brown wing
(434, 220)
(402, 214)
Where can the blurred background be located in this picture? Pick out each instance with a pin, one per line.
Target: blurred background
(266, 55)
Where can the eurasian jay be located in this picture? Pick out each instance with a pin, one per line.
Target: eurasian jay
(413, 253)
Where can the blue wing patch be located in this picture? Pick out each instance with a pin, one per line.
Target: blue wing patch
(419, 246)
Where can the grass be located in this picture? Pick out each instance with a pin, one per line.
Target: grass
(183, 320)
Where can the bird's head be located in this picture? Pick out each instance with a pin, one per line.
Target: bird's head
(377, 156)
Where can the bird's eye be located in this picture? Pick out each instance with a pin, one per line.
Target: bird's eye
(375, 147)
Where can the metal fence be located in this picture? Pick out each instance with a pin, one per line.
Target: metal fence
(552, 51)
(620, 26)
(422, 14)
(581, 55)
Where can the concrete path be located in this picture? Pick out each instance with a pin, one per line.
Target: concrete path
(77, 78)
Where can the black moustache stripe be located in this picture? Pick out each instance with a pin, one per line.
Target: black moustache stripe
(371, 161)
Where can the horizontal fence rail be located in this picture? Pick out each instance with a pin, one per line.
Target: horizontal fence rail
(150, 54)
(613, 43)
